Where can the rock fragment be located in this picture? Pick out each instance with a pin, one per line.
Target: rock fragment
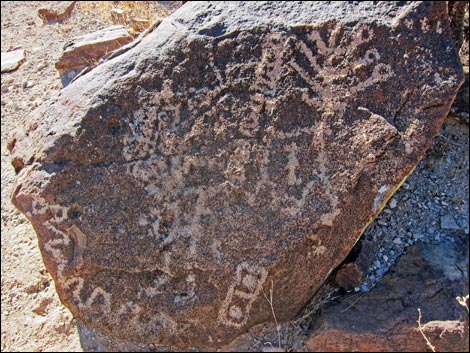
(56, 11)
(12, 60)
(86, 51)
(448, 222)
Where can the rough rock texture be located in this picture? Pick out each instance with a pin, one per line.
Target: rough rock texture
(85, 51)
(461, 104)
(59, 11)
(238, 145)
(430, 276)
(12, 60)
(458, 14)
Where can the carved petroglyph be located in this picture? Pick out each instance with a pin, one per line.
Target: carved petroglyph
(292, 165)
(333, 75)
(317, 248)
(153, 139)
(157, 287)
(58, 240)
(174, 159)
(189, 293)
(328, 74)
(79, 240)
(132, 313)
(75, 287)
(243, 292)
(98, 300)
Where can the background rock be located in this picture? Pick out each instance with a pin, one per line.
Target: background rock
(58, 11)
(85, 51)
(458, 13)
(12, 60)
(245, 189)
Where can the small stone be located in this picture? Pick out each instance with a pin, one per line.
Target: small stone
(118, 16)
(349, 276)
(397, 241)
(448, 222)
(12, 60)
(44, 280)
(382, 223)
(393, 203)
(41, 66)
(385, 257)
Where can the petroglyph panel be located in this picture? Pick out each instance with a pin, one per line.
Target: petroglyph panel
(241, 295)
(237, 140)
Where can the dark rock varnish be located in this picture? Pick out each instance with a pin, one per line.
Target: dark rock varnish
(238, 145)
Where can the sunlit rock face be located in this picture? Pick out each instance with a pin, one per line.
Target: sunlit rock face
(237, 147)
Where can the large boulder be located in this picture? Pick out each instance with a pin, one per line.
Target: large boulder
(237, 147)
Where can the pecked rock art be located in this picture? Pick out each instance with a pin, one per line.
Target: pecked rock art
(241, 295)
(238, 145)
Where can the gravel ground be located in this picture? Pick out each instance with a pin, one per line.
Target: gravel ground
(431, 206)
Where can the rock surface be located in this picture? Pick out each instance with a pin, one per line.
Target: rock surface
(437, 210)
(173, 184)
(459, 17)
(385, 319)
(87, 50)
(58, 11)
(12, 60)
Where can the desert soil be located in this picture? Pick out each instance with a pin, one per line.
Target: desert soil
(32, 316)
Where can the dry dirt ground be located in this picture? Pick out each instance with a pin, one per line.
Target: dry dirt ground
(32, 317)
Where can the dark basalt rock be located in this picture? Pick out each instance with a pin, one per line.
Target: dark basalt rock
(238, 145)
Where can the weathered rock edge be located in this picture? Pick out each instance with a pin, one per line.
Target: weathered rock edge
(238, 145)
